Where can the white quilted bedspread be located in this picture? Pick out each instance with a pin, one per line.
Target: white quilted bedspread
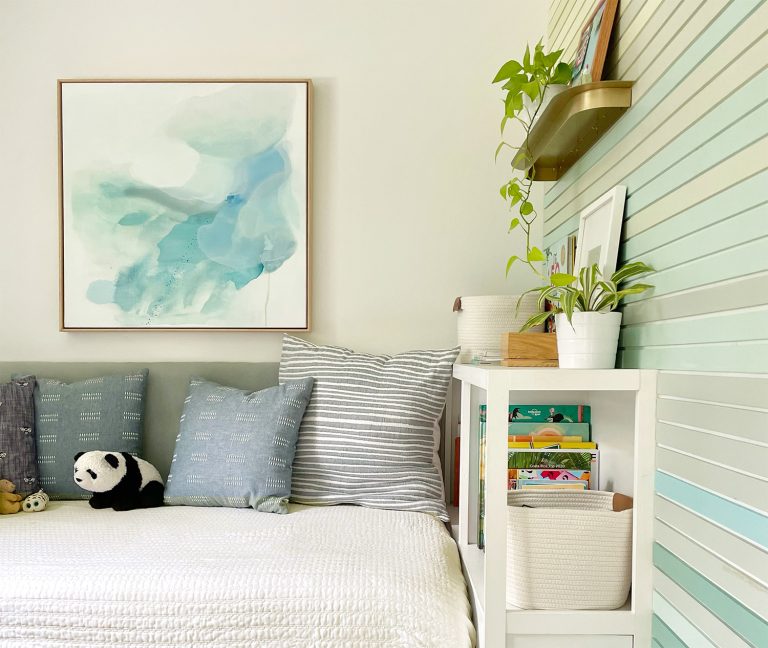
(337, 576)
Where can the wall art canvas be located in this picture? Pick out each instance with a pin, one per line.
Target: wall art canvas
(184, 204)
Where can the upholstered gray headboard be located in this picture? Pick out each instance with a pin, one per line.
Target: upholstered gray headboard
(166, 390)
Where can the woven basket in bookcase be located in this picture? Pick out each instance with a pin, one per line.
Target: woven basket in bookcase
(567, 551)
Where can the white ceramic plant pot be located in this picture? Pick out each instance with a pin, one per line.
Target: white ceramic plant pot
(550, 93)
(483, 319)
(589, 341)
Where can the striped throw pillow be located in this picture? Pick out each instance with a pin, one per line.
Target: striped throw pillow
(367, 436)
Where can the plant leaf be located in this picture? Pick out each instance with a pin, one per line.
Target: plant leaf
(507, 70)
(513, 224)
(527, 59)
(522, 159)
(498, 149)
(548, 293)
(561, 279)
(526, 208)
(531, 89)
(552, 58)
(535, 320)
(515, 82)
(630, 270)
(511, 260)
(634, 289)
(514, 103)
(568, 303)
(535, 254)
(562, 73)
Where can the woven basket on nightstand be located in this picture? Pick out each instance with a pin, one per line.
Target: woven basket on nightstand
(483, 319)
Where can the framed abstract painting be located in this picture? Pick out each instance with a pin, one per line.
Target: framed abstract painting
(184, 204)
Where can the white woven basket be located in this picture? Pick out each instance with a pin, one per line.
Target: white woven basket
(484, 319)
(568, 551)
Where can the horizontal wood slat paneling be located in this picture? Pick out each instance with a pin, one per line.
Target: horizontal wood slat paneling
(688, 633)
(741, 620)
(749, 559)
(736, 356)
(692, 153)
(707, 623)
(730, 422)
(743, 456)
(738, 390)
(743, 292)
(676, 79)
(717, 327)
(663, 634)
(749, 593)
(748, 523)
(744, 195)
(651, 35)
(717, 479)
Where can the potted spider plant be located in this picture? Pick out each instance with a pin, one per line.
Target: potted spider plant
(586, 319)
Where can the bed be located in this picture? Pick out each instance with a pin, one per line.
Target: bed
(340, 576)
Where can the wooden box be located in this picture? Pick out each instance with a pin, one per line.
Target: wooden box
(529, 350)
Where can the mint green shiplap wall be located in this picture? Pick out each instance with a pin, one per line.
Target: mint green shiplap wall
(693, 153)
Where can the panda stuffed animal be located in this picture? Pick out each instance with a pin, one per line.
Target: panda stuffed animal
(118, 480)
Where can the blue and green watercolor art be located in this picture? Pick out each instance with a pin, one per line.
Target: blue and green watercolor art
(185, 204)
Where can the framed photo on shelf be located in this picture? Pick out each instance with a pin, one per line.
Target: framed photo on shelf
(599, 232)
(184, 204)
(593, 44)
(561, 257)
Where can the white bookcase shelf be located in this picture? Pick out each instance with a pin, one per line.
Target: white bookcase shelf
(623, 405)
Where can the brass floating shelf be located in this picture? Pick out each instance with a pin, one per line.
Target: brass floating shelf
(572, 122)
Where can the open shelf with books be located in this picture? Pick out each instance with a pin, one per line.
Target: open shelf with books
(622, 408)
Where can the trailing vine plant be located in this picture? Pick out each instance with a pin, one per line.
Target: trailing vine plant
(527, 78)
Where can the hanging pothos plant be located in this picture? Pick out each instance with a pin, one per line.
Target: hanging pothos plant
(526, 83)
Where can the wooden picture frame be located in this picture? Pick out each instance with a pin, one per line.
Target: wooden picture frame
(595, 36)
(600, 232)
(257, 227)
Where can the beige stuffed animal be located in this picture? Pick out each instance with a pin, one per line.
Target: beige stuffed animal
(9, 501)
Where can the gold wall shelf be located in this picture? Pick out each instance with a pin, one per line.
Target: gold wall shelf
(572, 122)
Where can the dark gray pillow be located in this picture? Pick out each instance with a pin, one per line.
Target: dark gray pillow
(18, 456)
(104, 413)
(368, 436)
(235, 448)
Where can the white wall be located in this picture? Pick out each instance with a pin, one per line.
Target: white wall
(406, 208)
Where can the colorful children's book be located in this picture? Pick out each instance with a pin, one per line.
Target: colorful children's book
(580, 430)
(580, 445)
(544, 437)
(545, 413)
(546, 484)
(516, 475)
(567, 459)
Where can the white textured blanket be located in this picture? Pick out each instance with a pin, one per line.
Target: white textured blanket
(337, 576)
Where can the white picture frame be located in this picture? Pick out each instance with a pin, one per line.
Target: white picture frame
(600, 231)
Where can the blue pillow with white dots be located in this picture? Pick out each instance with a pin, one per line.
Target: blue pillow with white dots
(235, 448)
